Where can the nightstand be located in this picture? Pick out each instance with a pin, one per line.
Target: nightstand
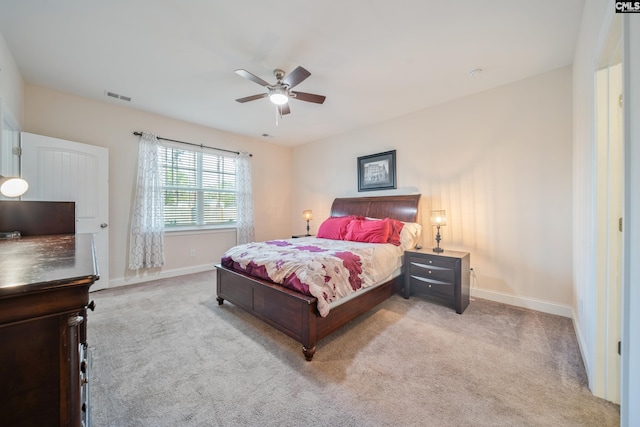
(443, 276)
(301, 235)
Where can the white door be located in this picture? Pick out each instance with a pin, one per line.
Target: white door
(60, 170)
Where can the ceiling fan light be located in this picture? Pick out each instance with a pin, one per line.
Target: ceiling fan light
(278, 96)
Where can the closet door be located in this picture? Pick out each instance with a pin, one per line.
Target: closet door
(61, 170)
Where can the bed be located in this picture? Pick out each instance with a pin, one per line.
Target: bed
(295, 313)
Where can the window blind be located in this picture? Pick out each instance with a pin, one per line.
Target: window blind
(199, 188)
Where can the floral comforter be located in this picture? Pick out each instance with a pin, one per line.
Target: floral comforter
(326, 269)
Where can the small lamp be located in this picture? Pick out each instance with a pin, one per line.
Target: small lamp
(307, 215)
(438, 218)
(11, 186)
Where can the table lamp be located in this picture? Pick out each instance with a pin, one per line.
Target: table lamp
(438, 218)
(308, 215)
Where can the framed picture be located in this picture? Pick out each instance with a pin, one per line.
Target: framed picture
(377, 171)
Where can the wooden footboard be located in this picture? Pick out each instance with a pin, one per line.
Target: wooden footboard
(286, 310)
(293, 313)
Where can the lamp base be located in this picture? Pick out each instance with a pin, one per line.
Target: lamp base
(438, 238)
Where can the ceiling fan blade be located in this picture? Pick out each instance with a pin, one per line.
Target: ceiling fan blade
(284, 109)
(252, 97)
(296, 77)
(309, 97)
(252, 77)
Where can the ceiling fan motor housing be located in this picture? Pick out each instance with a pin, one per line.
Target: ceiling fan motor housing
(279, 74)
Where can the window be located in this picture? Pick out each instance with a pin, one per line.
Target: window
(199, 188)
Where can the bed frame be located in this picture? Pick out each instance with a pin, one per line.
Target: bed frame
(296, 314)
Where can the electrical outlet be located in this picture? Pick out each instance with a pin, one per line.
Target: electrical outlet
(192, 253)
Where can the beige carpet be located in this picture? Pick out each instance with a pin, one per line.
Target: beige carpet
(165, 354)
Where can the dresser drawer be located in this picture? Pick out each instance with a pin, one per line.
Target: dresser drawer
(433, 287)
(442, 272)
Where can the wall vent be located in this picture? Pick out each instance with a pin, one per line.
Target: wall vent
(117, 96)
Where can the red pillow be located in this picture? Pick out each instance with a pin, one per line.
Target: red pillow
(369, 231)
(334, 227)
(396, 228)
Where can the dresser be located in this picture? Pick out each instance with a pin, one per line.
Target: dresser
(44, 358)
(443, 276)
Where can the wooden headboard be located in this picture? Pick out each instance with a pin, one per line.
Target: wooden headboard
(403, 208)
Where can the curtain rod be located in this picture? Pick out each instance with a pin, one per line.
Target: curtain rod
(195, 145)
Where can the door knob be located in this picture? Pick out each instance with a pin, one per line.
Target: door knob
(104, 225)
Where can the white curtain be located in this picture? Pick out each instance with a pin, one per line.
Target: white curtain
(147, 222)
(244, 200)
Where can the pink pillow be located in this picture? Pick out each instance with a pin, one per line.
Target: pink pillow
(396, 227)
(360, 230)
(334, 227)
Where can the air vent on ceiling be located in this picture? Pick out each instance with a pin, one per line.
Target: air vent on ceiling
(116, 96)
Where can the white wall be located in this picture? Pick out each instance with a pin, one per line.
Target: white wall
(11, 83)
(11, 101)
(498, 162)
(65, 116)
(592, 34)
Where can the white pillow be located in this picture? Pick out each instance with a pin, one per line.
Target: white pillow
(410, 234)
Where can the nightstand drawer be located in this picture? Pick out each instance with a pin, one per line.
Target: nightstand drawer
(432, 271)
(432, 287)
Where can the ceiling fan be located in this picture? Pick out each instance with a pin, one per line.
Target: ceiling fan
(280, 92)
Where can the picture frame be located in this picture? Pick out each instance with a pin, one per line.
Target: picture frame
(377, 171)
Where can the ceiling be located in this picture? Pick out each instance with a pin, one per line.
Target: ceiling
(374, 60)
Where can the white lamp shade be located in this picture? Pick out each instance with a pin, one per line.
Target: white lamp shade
(438, 217)
(13, 187)
(307, 214)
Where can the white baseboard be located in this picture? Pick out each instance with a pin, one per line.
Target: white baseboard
(148, 276)
(531, 303)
